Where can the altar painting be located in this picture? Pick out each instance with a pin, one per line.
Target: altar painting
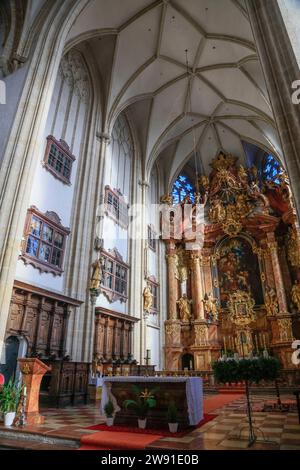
(238, 269)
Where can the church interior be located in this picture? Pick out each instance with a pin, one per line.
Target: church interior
(149, 227)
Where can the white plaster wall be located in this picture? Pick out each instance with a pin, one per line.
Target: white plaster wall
(117, 175)
(66, 120)
(14, 86)
(290, 10)
(152, 343)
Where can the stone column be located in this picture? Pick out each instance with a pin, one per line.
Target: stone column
(197, 289)
(279, 284)
(172, 286)
(280, 71)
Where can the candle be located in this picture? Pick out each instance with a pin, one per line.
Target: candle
(25, 391)
(148, 354)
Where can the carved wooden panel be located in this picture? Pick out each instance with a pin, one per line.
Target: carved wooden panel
(112, 335)
(41, 319)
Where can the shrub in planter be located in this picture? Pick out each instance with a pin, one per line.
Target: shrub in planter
(109, 413)
(172, 417)
(252, 370)
(10, 395)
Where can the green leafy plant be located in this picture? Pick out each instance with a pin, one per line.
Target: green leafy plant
(145, 399)
(109, 409)
(10, 395)
(172, 413)
(253, 370)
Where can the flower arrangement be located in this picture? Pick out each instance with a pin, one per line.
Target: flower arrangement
(145, 399)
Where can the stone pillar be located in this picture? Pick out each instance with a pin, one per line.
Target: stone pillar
(197, 290)
(279, 284)
(280, 71)
(172, 286)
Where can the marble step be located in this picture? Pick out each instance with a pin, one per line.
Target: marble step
(9, 437)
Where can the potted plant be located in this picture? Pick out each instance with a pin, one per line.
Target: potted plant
(10, 395)
(109, 413)
(172, 416)
(145, 400)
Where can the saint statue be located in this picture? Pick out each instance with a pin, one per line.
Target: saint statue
(271, 302)
(295, 295)
(184, 308)
(167, 199)
(96, 277)
(148, 299)
(211, 306)
(243, 176)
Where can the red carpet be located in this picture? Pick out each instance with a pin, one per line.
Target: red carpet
(107, 440)
(162, 432)
(126, 438)
(217, 401)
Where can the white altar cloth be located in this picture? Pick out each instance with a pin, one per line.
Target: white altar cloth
(193, 387)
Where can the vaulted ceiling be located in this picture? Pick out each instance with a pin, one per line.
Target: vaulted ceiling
(216, 102)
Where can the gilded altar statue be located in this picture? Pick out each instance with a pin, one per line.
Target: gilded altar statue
(184, 305)
(295, 295)
(217, 211)
(243, 176)
(181, 266)
(167, 199)
(271, 302)
(211, 306)
(241, 205)
(293, 247)
(97, 268)
(203, 182)
(148, 299)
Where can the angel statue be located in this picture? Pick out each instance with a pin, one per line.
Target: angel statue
(184, 305)
(148, 299)
(97, 268)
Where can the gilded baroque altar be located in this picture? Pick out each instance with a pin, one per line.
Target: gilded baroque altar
(236, 287)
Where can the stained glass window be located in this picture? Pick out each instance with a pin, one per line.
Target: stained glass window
(181, 188)
(271, 169)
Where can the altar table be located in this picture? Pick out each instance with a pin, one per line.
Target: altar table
(186, 392)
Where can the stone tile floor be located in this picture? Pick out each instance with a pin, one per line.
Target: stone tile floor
(229, 430)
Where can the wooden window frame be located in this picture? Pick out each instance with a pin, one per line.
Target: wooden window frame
(52, 220)
(117, 207)
(152, 238)
(64, 149)
(116, 260)
(153, 284)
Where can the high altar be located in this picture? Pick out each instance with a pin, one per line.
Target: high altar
(233, 275)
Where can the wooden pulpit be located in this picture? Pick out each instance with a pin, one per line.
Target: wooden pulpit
(33, 371)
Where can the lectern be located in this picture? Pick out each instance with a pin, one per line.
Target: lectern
(33, 370)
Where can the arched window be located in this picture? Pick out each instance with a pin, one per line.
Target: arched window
(271, 169)
(181, 188)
